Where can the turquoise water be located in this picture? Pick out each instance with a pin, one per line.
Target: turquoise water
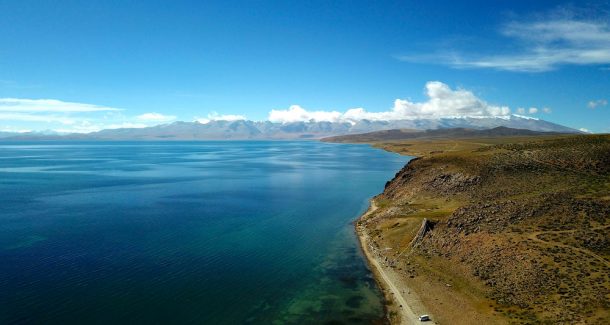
(186, 232)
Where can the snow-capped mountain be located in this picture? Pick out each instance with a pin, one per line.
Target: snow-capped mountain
(253, 130)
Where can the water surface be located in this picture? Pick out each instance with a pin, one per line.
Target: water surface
(186, 232)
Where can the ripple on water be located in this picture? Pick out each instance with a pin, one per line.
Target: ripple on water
(184, 232)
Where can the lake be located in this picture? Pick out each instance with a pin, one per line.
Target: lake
(187, 232)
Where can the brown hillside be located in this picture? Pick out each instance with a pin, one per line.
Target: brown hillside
(516, 230)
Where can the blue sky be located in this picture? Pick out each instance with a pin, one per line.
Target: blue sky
(86, 65)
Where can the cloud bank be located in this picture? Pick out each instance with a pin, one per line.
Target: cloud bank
(156, 117)
(442, 102)
(541, 44)
(48, 105)
(534, 110)
(87, 126)
(214, 116)
(69, 117)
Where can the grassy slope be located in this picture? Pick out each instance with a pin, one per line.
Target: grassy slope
(521, 227)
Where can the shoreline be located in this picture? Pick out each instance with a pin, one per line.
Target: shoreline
(399, 307)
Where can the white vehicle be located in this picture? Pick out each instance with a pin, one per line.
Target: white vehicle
(424, 318)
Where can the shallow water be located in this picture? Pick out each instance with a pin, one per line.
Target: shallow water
(187, 232)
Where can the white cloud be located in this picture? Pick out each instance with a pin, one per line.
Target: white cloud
(155, 117)
(540, 45)
(14, 129)
(597, 103)
(70, 117)
(533, 110)
(28, 117)
(442, 102)
(88, 127)
(214, 116)
(48, 105)
(584, 130)
(296, 113)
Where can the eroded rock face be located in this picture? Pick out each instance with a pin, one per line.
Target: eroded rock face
(420, 175)
(491, 217)
(426, 226)
(452, 183)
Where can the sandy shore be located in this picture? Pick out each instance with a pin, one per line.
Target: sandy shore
(405, 306)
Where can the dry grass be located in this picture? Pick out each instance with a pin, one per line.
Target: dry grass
(521, 232)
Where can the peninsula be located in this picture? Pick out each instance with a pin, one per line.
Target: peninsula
(492, 227)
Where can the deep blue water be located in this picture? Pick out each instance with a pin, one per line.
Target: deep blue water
(186, 232)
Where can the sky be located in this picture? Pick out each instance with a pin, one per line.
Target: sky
(82, 66)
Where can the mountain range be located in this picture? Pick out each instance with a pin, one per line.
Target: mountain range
(265, 130)
(445, 133)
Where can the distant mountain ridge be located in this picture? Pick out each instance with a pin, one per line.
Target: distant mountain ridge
(404, 134)
(265, 130)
